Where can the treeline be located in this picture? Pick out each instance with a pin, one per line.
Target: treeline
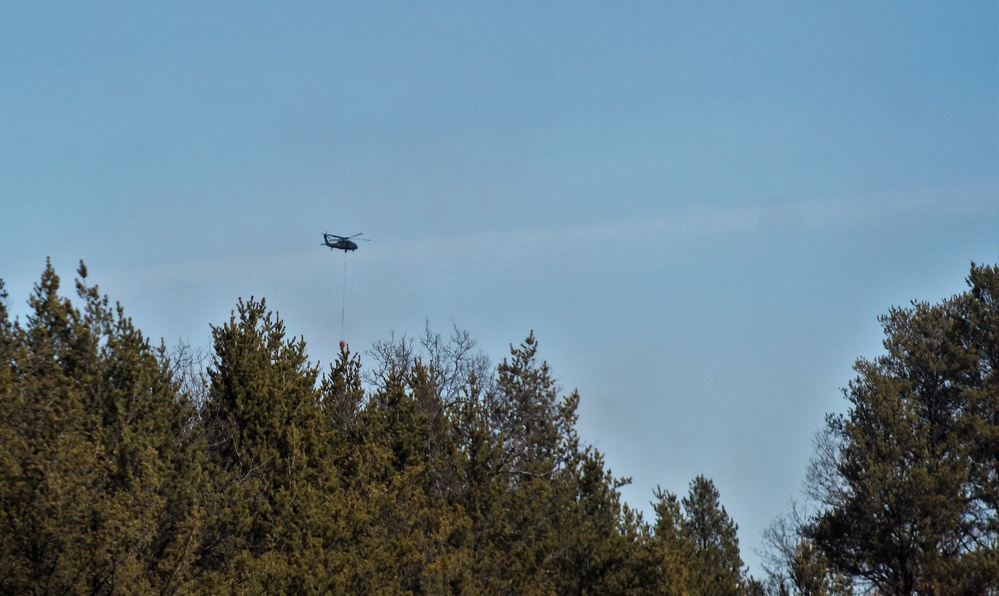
(128, 468)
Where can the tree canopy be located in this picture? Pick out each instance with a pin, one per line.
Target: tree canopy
(905, 484)
(126, 467)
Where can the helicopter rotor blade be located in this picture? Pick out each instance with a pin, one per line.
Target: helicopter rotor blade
(329, 237)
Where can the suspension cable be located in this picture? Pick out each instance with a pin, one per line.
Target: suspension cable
(343, 299)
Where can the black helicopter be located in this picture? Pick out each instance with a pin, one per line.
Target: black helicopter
(344, 243)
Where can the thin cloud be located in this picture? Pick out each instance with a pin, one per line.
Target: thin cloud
(699, 225)
(496, 249)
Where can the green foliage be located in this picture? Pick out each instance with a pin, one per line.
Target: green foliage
(694, 544)
(268, 449)
(906, 480)
(97, 453)
(125, 468)
(716, 565)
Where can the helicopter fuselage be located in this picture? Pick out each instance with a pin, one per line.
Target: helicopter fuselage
(343, 245)
(339, 242)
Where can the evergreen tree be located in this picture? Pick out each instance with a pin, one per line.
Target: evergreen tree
(268, 445)
(125, 470)
(525, 422)
(408, 456)
(593, 549)
(524, 414)
(545, 512)
(154, 468)
(671, 550)
(50, 463)
(717, 566)
(909, 489)
(343, 396)
(483, 493)
(694, 546)
(99, 467)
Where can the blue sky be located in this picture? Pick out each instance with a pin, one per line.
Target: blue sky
(699, 208)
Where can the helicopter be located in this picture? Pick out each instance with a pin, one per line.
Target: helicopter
(344, 243)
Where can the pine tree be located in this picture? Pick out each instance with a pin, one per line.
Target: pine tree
(405, 463)
(594, 549)
(525, 421)
(268, 445)
(545, 513)
(909, 492)
(50, 462)
(154, 468)
(120, 473)
(483, 491)
(693, 547)
(100, 469)
(671, 550)
(716, 565)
